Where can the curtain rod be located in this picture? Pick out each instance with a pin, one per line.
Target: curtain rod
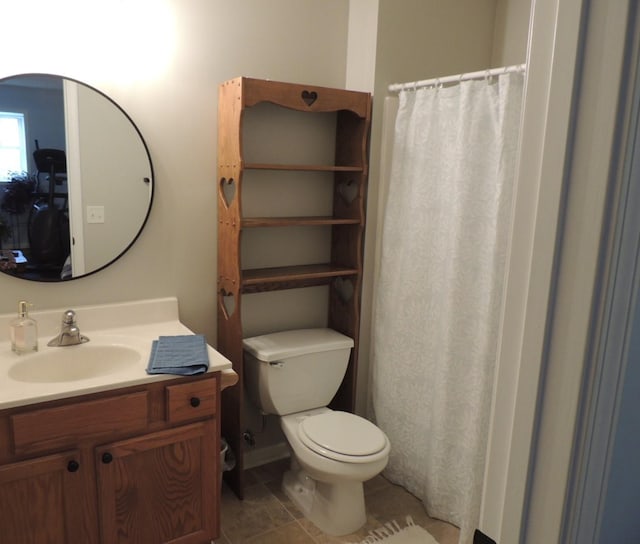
(457, 78)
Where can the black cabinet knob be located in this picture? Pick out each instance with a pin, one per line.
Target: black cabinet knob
(195, 402)
(73, 465)
(107, 458)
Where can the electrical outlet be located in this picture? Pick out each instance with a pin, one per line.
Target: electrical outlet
(95, 214)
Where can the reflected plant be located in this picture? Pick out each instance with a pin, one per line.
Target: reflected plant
(5, 228)
(16, 195)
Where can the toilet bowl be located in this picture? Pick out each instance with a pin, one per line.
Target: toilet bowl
(333, 453)
(295, 374)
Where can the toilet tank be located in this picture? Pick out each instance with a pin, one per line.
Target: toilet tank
(291, 371)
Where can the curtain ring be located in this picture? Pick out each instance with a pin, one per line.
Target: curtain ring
(488, 77)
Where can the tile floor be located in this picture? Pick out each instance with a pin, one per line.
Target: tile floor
(267, 516)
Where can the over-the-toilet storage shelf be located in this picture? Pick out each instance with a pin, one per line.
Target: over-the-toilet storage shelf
(350, 112)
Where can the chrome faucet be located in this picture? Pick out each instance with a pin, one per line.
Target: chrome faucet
(69, 333)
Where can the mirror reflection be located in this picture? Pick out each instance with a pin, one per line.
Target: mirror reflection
(76, 180)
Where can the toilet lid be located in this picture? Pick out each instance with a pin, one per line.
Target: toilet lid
(341, 433)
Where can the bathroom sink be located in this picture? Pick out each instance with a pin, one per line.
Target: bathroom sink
(74, 363)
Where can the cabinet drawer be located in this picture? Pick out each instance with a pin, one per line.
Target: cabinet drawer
(192, 400)
(65, 426)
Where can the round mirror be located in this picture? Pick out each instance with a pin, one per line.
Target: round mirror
(76, 180)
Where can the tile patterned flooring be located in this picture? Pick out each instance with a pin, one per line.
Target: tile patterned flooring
(267, 516)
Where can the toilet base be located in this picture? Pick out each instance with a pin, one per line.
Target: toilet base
(335, 508)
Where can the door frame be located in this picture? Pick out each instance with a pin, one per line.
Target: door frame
(574, 69)
(74, 175)
(606, 369)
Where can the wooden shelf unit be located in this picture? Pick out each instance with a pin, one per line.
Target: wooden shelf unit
(343, 274)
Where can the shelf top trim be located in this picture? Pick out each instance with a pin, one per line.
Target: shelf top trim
(311, 98)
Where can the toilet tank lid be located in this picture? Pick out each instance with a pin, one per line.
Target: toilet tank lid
(281, 345)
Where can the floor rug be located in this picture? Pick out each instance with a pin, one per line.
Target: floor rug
(392, 533)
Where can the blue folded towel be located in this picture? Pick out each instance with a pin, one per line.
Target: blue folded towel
(184, 355)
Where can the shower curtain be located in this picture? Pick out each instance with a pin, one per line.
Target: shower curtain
(439, 291)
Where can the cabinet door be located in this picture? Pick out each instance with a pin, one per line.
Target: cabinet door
(161, 487)
(41, 501)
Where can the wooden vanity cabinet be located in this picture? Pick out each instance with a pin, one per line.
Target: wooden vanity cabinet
(136, 465)
(42, 500)
(159, 487)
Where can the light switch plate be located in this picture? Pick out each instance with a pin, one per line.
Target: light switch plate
(95, 214)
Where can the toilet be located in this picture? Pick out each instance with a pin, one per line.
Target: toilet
(295, 374)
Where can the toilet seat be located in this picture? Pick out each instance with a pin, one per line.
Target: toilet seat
(343, 437)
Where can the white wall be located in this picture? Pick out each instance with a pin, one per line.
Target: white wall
(113, 167)
(361, 47)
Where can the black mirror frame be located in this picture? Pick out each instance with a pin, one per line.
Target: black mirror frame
(151, 181)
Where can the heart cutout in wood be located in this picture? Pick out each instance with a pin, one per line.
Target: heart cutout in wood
(348, 190)
(344, 288)
(228, 303)
(227, 190)
(309, 97)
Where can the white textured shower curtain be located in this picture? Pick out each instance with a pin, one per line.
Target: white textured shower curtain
(439, 291)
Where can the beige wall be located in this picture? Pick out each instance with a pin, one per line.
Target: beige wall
(172, 98)
(203, 43)
(511, 32)
(417, 39)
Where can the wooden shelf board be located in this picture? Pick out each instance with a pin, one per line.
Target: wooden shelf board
(302, 167)
(289, 277)
(252, 222)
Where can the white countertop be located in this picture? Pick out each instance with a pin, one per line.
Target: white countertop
(135, 324)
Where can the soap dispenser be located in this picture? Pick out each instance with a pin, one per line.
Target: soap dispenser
(24, 331)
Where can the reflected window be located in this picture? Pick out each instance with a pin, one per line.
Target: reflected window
(13, 149)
